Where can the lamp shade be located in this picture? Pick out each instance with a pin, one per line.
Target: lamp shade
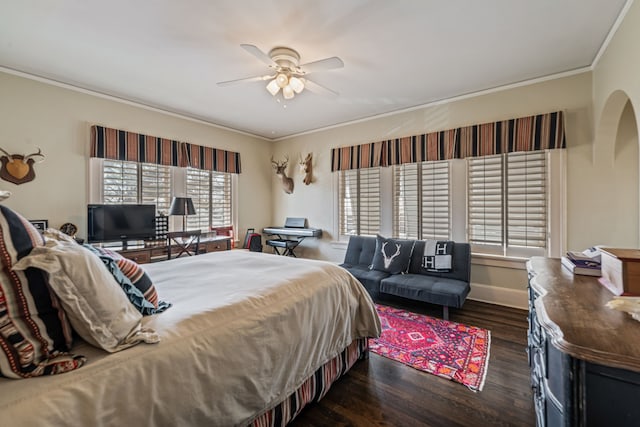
(182, 206)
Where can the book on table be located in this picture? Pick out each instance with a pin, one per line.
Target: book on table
(584, 267)
(591, 254)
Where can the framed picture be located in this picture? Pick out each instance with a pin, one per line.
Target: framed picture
(40, 224)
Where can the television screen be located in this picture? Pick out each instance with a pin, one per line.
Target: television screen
(108, 223)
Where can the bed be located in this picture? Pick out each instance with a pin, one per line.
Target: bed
(249, 340)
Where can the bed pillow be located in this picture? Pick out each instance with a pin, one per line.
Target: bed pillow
(392, 255)
(135, 282)
(98, 309)
(35, 335)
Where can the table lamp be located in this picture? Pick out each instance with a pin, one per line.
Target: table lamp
(182, 206)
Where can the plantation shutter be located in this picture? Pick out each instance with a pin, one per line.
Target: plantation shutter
(406, 212)
(120, 182)
(220, 199)
(421, 200)
(526, 200)
(485, 200)
(198, 184)
(435, 200)
(156, 186)
(359, 201)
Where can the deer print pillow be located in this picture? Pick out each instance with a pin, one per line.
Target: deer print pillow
(392, 255)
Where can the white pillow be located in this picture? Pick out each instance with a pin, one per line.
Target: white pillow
(97, 308)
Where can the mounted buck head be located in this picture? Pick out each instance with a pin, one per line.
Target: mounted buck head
(281, 171)
(306, 168)
(18, 168)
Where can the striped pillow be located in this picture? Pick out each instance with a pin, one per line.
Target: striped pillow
(35, 335)
(138, 277)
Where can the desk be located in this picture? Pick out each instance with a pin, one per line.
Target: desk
(143, 255)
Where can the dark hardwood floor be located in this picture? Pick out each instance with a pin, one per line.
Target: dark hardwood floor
(382, 392)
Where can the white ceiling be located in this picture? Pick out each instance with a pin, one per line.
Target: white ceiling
(398, 54)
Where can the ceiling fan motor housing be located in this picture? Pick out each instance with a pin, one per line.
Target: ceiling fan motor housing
(286, 58)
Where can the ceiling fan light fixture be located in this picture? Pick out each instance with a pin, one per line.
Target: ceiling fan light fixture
(287, 92)
(282, 80)
(296, 84)
(273, 87)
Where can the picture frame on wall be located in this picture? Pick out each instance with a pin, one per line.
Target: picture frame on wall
(40, 224)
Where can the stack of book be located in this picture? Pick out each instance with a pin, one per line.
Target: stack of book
(587, 263)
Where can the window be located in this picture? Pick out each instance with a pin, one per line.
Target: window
(211, 195)
(359, 198)
(507, 203)
(421, 201)
(130, 182)
(120, 182)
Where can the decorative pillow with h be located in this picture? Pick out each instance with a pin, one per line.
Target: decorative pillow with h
(392, 255)
(438, 255)
(35, 334)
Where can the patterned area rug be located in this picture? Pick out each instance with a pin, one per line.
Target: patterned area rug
(440, 347)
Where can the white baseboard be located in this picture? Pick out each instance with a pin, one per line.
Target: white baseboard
(502, 296)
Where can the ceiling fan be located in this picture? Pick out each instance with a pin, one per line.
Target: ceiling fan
(286, 71)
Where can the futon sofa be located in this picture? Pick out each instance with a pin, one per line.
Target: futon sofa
(447, 288)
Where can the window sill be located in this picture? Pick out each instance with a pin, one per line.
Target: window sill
(336, 244)
(499, 261)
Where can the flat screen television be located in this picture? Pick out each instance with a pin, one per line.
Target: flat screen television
(110, 223)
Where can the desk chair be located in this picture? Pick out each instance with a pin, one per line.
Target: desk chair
(184, 242)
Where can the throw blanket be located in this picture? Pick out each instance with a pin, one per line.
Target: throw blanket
(437, 255)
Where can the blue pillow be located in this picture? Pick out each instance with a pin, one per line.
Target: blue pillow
(392, 255)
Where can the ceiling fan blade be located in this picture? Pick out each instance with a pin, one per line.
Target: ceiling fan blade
(258, 53)
(319, 89)
(245, 80)
(322, 64)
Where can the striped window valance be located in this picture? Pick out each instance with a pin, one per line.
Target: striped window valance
(421, 148)
(212, 159)
(118, 144)
(532, 133)
(359, 156)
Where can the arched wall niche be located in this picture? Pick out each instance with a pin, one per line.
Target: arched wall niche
(617, 158)
(607, 127)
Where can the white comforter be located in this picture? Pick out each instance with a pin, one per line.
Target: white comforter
(244, 331)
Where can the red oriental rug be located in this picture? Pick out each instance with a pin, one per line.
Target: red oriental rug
(440, 347)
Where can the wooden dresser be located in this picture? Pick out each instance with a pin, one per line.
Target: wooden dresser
(159, 253)
(584, 357)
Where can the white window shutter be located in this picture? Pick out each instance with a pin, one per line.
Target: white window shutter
(526, 200)
(359, 194)
(485, 200)
(435, 201)
(120, 182)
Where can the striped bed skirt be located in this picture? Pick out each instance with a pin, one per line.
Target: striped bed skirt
(315, 387)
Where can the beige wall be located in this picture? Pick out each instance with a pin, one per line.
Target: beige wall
(602, 198)
(317, 201)
(616, 100)
(58, 120)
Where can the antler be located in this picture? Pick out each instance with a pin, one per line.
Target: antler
(9, 156)
(39, 153)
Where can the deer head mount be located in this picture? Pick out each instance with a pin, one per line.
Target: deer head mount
(18, 168)
(307, 168)
(388, 259)
(281, 171)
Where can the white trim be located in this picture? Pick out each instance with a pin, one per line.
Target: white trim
(444, 101)
(499, 261)
(612, 32)
(320, 129)
(515, 298)
(138, 104)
